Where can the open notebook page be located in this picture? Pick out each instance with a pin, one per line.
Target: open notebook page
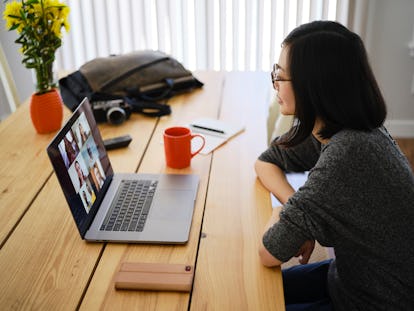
(216, 132)
(296, 180)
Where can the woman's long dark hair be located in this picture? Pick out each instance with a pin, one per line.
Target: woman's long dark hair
(332, 80)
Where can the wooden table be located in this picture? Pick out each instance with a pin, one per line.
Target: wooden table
(45, 265)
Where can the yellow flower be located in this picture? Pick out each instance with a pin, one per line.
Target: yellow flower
(39, 24)
(12, 14)
(51, 3)
(64, 13)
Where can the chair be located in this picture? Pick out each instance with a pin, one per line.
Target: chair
(8, 83)
(277, 124)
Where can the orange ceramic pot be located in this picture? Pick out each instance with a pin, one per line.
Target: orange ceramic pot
(46, 111)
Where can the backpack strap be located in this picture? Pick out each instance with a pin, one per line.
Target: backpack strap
(148, 108)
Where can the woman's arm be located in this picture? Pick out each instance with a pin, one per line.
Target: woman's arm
(266, 258)
(274, 179)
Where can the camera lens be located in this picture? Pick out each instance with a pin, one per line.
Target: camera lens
(116, 115)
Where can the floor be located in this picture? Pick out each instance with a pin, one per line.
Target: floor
(407, 147)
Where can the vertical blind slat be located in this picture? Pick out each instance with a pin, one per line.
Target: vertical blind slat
(359, 22)
(259, 33)
(299, 11)
(89, 16)
(342, 12)
(112, 17)
(185, 42)
(325, 9)
(211, 29)
(125, 25)
(223, 30)
(101, 24)
(273, 42)
(250, 40)
(286, 19)
(236, 30)
(76, 34)
(159, 20)
(241, 36)
(136, 24)
(149, 25)
(176, 29)
(199, 23)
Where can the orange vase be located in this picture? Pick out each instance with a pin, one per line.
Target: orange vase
(46, 111)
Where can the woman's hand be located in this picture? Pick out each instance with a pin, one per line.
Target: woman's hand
(305, 251)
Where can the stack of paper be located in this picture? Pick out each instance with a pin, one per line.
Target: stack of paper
(296, 180)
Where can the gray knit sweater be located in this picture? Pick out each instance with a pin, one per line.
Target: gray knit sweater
(358, 199)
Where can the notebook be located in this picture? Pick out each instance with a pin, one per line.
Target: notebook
(215, 132)
(93, 191)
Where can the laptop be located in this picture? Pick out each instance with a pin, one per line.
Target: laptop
(113, 207)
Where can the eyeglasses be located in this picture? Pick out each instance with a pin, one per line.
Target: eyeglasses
(275, 75)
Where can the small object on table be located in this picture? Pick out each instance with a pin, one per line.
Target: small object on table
(117, 142)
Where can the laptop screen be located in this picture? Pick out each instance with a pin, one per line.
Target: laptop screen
(81, 165)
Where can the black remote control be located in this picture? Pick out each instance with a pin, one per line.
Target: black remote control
(117, 142)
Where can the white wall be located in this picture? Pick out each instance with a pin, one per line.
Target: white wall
(390, 29)
(22, 76)
(4, 109)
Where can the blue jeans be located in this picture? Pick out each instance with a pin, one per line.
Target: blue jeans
(305, 287)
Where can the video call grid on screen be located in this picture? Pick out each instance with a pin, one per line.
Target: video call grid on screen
(80, 155)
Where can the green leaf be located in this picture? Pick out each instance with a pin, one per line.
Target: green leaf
(31, 2)
(15, 26)
(13, 16)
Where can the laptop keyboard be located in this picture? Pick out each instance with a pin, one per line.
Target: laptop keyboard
(129, 210)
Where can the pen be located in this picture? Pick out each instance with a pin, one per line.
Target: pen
(207, 128)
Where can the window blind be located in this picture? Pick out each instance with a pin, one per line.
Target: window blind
(202, 34)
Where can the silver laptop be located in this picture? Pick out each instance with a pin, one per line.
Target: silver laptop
(136, 208)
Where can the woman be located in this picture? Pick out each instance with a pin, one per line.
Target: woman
(359, 196)
(79, 172)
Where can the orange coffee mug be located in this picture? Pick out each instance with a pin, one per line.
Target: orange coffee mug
(177, 146)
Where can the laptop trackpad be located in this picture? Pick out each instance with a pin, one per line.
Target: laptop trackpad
(173, 205)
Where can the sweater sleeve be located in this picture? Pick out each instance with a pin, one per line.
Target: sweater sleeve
(306, 214)
(299, 158)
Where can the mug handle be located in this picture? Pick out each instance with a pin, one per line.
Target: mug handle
(202, 146)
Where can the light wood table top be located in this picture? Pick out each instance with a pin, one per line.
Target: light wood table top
(44, 263)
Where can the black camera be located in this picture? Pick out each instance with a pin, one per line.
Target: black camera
(114, 111)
